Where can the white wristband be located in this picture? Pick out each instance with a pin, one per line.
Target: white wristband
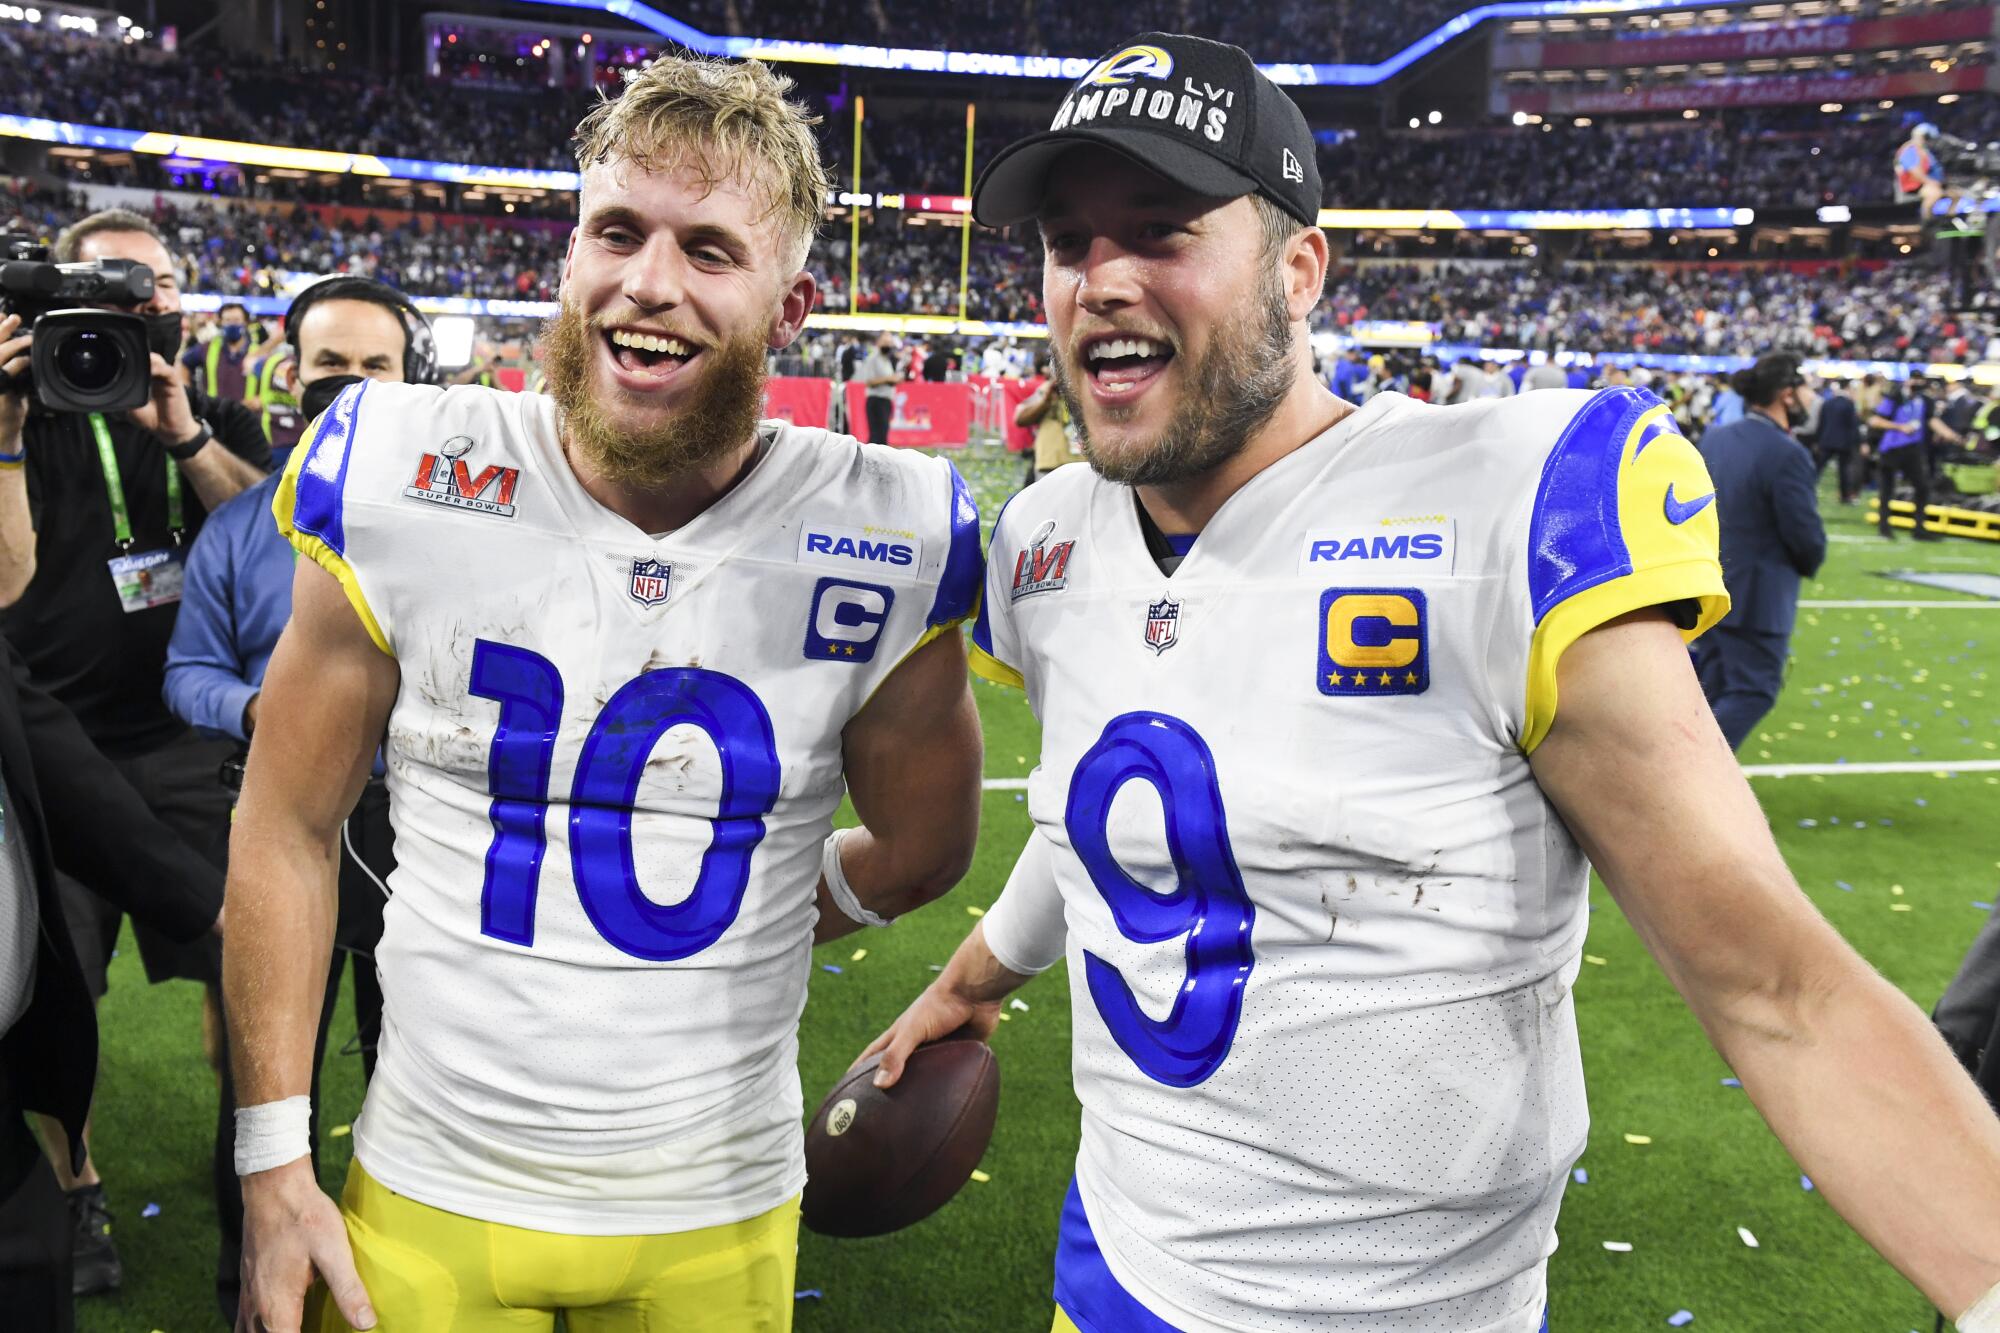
(837, 885)
(272, 1134)
(1984, 1316)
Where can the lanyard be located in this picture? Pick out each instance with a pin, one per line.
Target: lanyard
(114, 485)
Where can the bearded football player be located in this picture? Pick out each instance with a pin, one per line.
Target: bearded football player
(624, 648)
(1340, 705)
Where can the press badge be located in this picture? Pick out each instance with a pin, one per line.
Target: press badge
(146, 579)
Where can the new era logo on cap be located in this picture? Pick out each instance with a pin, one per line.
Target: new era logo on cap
(1196, 112)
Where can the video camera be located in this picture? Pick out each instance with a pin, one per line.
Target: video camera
(1964, 160)
(80, 360)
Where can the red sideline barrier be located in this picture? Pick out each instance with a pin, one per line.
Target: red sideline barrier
(800, 400)
(1019, 438)
(927, 414)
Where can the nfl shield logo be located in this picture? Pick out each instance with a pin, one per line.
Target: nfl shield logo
(1163, 624)
(649, 581)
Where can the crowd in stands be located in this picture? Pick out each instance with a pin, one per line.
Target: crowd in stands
(1867, 310)
(1301, 31)
(1765, 159)
(1873, 312)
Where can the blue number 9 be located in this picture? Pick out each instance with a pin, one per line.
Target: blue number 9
(1208, 903)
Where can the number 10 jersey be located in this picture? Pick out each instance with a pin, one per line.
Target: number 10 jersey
(1321, 921)
(612, 761)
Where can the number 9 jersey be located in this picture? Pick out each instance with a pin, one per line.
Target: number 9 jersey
(612, 762)
(1321, 922)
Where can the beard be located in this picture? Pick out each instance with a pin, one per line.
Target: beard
(722, 411)
(1234, 388)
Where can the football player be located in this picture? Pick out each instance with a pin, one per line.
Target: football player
(625, 647)
(1339, 707)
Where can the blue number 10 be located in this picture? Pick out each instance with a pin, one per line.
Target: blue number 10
(530, 693)
(1208, 903)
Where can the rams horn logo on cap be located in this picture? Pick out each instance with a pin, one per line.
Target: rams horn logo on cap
(1130, 63)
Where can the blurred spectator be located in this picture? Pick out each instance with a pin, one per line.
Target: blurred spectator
(1771, 538)
(878, 371)
(1904, 453)
(1839, 441)
(221, 367)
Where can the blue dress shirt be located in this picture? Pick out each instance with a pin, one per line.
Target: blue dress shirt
(234, 603)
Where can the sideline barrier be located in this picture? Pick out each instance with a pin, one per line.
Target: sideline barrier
(801, 400)
(1945, 520)
(927, 415)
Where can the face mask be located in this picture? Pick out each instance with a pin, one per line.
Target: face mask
(163, 334)
(316, 397)
(233, 333)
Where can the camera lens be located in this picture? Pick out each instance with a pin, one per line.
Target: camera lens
(88, 360)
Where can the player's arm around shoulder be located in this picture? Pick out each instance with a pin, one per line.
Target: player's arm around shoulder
(1842, 1065)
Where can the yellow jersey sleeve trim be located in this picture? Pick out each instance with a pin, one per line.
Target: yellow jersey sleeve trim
(1698, 580)
(317, 551)
(988, 667)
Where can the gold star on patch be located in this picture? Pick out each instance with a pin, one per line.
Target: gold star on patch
(1336, 679)
(1409, 677)
(833, 650)
(1384, 679)
(850, 650)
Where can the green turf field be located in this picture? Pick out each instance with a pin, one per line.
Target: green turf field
(1904, 864)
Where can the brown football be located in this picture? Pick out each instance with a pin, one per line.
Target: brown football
(880, 1159)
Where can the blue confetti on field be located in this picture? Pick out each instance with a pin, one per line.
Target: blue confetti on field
(1580, 1176)
(809, 1294)
(1984, 907)
(1732, 1083)
(150, 1210)
(1681, 1318)
(1805, 1183)
(1843, 886)
(829, 967)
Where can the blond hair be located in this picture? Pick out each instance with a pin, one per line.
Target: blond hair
(720, 117)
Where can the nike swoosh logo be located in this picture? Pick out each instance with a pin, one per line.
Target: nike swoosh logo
(1678, 513)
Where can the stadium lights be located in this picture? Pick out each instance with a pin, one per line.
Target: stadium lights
(1435, 117)
(1947, 99)
(1414, 122)
(1830, 108)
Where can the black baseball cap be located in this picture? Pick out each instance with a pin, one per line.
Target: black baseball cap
(1197, 112)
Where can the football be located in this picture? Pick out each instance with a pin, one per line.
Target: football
(880, 1159)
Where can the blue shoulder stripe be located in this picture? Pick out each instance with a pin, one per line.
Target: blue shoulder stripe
(1574, 538)
(982, 632)
(964, 569)
(322, 479)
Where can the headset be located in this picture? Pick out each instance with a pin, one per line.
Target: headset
(420, 363)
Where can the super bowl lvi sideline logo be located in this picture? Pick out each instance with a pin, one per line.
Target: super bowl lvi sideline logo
(443, 478)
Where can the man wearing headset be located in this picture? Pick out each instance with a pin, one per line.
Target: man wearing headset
(238, 596)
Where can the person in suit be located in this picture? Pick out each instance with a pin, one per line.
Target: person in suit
(1771, 538)
(1840, 442)
(62, 803)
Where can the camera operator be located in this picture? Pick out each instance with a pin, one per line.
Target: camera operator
(1905, 452)
(1919, 173)
(95, 516)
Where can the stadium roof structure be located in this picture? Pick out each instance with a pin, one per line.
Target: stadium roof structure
(919, 60)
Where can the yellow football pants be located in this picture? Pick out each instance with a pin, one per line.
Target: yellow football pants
(430, 1271)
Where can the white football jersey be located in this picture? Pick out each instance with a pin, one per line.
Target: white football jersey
(1322, 923)
(612, 762)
